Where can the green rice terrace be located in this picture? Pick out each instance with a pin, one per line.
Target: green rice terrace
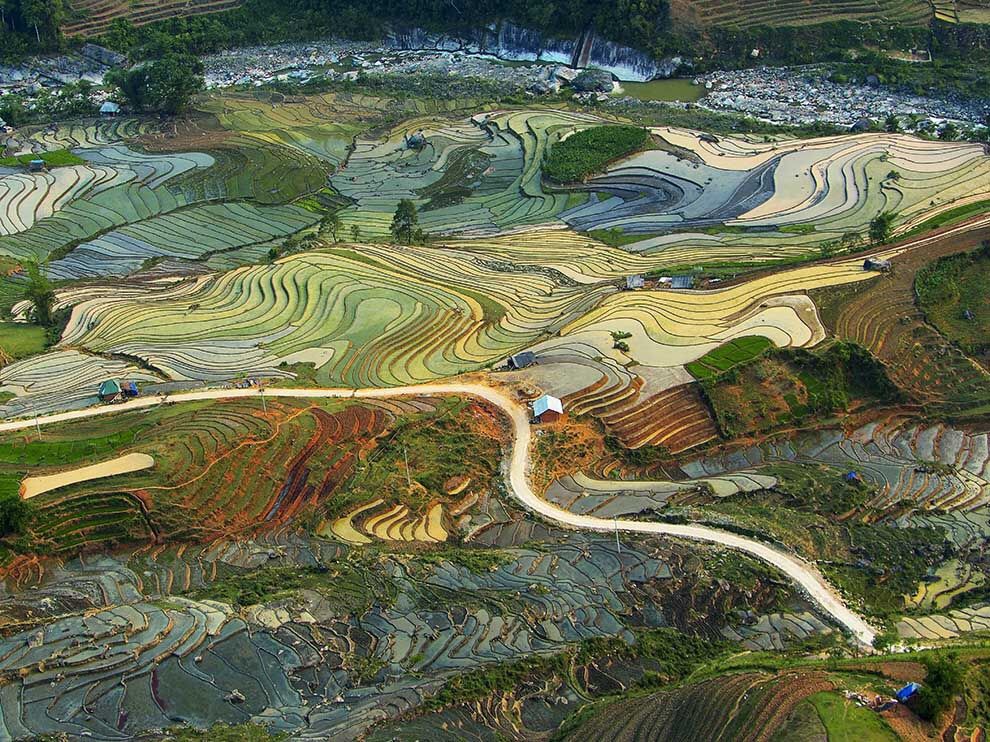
(351, 415)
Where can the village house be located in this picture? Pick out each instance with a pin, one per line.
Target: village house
(547, 409)
(522, 360)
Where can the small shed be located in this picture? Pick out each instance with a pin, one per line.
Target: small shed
(416, 141)
(547, 409)
(968, 315)
(109, 109)
(682, 282)
(129, 389)
(36, 166)
(876, 264)
(522, 360)
(907, 691)
(634, 282)
(852, 477)
(110, 391)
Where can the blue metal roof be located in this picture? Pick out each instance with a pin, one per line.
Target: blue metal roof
(545, 403)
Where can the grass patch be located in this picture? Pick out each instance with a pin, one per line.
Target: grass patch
(474, 560)
(221, 732)
(952, 292)
(590, 150)
(673, 656)
(56, 158)
(816, 512)
(786, 386)
(437, 447)
(20, 340)
(948, 218)
(846, 722)
(350, 585)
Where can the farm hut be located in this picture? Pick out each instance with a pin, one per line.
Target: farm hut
(634, 282)
(968, 315)
(110, 391)
(522, 360)
(876, 264)
(129, 389)
(109, 109)
(682, 282)
(852, 477)
(416, 141)
(36, 166)
(907, 691)
(547, 409)
(708, 138)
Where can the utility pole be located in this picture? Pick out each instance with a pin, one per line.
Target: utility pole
(264, 404)
(618, 546)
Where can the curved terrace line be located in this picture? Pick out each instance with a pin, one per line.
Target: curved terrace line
(517, 470)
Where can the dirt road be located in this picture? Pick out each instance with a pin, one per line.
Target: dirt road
(803, 573)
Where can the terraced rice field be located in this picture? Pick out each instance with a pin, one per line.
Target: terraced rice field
(738, 14)
(476, 175)
(828, 186)
(747, 706)
(886, 320)
(94, 17)
(912, 465)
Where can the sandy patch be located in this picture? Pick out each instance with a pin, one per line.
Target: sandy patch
(132, 462)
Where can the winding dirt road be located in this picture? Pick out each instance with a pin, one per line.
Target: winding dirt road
(802, 572)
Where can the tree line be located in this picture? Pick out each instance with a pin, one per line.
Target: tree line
(30, 25)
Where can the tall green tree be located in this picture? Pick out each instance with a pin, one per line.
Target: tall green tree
(405, 223)
(330, 223)
(40, 293)
(881, 227)
(43, 14)
(14, 513)
(166, 85)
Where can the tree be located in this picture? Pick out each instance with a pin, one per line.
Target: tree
(892, 125)
(355, 233)
(943, 682)
(47, 14)
(948, 132)
(405, 222)
(850, 239)
(330, 223)
(166, 84)
(881, 226)
(40, 293)
(14, 513)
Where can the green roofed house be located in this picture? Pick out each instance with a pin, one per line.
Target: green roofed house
(109, 390)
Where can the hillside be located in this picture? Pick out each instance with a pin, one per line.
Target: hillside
(751, 13)
(93, 17)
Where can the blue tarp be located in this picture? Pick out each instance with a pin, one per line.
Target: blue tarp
(907, 691)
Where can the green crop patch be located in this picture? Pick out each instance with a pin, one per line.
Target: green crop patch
(728, 356)
(590, 150)
(20, 340)
(57, 158)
